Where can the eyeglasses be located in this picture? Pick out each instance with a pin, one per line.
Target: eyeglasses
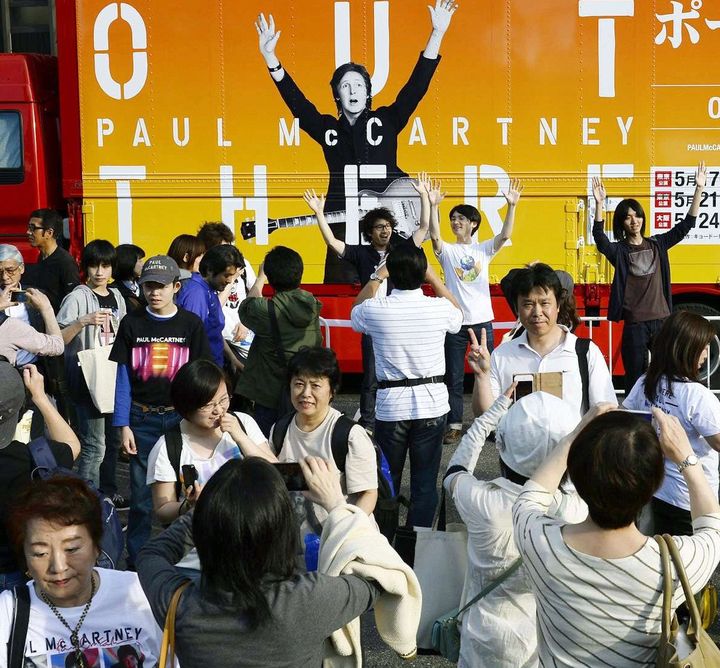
(210, 407)
(35, 228)
(9, 271)
(382, 226)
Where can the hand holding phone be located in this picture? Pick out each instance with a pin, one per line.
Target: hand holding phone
(19, 296)
(189, 476)
(292, 475)
(523, 385)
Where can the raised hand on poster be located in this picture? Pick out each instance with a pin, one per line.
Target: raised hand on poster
(441, 14)
(267, 37)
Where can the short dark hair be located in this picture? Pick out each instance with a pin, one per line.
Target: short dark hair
(284, 268)
(371, 217)
(127, 257)
(340, 72)
(316, 362)
(62, 500)
(219, 258)
(676, 350)
(185, 244)
(470, 212)
(126, 651)
(616, 465)
(245, 510)
(407, 266)
(51, 220)
(194, 385)
(213, 234)
(97, 253)
(538, 275)
(621, 212)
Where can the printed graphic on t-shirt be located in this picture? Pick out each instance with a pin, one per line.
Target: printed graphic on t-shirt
(469, 269)
(118, 656)
(206, 469)
(158, 359)
(643, 262)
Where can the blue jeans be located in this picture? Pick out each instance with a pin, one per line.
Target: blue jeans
(147, 428)
(96, 432)
(423, 438)
(455, 349)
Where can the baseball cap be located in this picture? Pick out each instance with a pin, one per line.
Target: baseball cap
(12, 398)
(531, 429)
(160, 269)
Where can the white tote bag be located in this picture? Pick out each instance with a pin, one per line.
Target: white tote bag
(100, 374)
(440, 567)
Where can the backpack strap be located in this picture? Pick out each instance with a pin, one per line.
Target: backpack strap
(240, 423)
(340, 440)
(45, 462)
(173, 445)
(280, 430)
(18, 631)
(275, 331)
(582, 346)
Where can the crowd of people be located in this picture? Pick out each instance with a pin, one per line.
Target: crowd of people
(221, 401)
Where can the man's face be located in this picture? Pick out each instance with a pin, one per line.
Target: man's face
(353, 93)
(99, 276)
(219, 282)
(10, 273)
(538, 311)
(461, 225)
(633, 223)
(37, 234)
(160, 297)
(380, 233)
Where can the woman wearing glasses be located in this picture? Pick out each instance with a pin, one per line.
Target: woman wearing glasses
(209, 437)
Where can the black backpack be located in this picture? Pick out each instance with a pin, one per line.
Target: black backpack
(387, 508)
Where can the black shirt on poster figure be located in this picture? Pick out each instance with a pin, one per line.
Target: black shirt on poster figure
(345, 138)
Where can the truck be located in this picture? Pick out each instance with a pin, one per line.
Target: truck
(153, 119)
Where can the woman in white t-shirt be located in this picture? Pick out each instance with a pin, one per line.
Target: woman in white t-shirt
(465, 264)
(210, 436)
(671, 384)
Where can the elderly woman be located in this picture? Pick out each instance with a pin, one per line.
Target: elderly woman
(75, 608)
(599, 584)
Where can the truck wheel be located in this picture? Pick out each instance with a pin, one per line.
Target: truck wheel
(714, 356)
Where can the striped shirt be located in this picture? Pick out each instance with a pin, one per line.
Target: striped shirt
(602, 612)
(408, 332)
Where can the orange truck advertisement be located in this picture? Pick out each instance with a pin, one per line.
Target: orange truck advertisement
(181, 122)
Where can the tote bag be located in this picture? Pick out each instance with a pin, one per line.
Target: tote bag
(100, 374)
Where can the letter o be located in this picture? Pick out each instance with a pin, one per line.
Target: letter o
(714, 107)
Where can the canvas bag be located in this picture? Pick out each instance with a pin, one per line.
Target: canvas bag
(705, 652)
(440, 566)
(100, 374)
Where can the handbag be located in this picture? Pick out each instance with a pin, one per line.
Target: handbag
(167, 649)
(100, 374)
(440, 565)
(446, 629)
(705, 652)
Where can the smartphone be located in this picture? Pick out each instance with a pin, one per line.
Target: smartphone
(292, 475)
(19, 296)
(189, 475)
(524, 385)
(645, 415)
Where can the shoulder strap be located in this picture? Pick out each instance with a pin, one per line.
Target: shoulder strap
(275, 330)
(173, 444)
(690, 602)
(240, 423)
(582, 346)
(339, 440)
(18, 632)
(167, 647)
(279, 431)
(42, 456)
(497, 581)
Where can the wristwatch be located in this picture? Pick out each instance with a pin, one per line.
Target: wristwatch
(375, 277)
(690, 460)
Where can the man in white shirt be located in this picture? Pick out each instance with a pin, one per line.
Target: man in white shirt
(408, 332)
(545, 346)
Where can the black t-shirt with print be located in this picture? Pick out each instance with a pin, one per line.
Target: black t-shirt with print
(154, 350)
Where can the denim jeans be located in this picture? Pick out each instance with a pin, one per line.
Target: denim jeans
(95, 432)
(423, 438)
(147, 428)
(637, 338)
(455, 349)
(368, 388)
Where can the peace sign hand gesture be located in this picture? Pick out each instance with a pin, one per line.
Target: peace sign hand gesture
(479, 356)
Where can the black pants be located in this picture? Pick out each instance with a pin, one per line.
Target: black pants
(670, 519)
(637, 338)
(368, 389)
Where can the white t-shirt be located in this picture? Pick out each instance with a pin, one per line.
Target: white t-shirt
(408, 332)
(160, 469)
(119, 615)
(236, 293)
(516, 356)
(698, 410)
(466, 268)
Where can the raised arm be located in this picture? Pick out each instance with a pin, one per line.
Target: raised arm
(479, 362)
(512, 196)
(267, 41)
(604, 245)
(317, 204)
(436, 196)
(370, 288)
(439, 287)
(600, 196)
(257, 288)
(440, 16)
(700, 182)
(422, 188)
